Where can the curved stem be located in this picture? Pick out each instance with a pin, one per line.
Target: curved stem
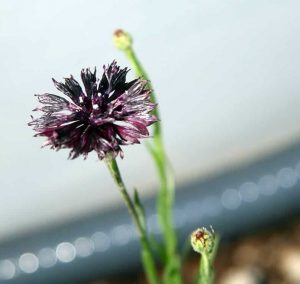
(206, 271)
(147, 257)
(140, 72)
(166, 178)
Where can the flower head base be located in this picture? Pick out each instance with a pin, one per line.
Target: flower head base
(202, 240)
(110, 113)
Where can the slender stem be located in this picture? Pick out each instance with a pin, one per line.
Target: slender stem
(205, 270)
(140, 72)
(166, 194)
(147, 257)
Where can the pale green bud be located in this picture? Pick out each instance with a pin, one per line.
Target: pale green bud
(202, 240)
(122, 39)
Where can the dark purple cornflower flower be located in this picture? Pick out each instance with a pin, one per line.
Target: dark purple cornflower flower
(110, 113)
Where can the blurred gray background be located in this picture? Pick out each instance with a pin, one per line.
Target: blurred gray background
(226, 74)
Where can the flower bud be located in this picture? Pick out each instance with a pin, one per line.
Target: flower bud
(122, 40)
(202, 240)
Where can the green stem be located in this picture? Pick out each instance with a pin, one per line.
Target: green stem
(206, 275)
(140, 72)
(147, 257)
(205, 270)
(166, 178)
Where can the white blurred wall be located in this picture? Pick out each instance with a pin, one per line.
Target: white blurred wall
(226, 74)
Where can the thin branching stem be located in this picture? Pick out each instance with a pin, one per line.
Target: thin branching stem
(147, 256)
(157, 150)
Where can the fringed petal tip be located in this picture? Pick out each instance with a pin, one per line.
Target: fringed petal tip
(91, 121)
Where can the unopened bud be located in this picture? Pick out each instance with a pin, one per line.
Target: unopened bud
(202, 240)
(122, 40)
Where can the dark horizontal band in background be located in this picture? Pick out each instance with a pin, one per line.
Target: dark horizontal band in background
(234, 203)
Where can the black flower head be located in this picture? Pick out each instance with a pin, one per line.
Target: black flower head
(110, 113)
